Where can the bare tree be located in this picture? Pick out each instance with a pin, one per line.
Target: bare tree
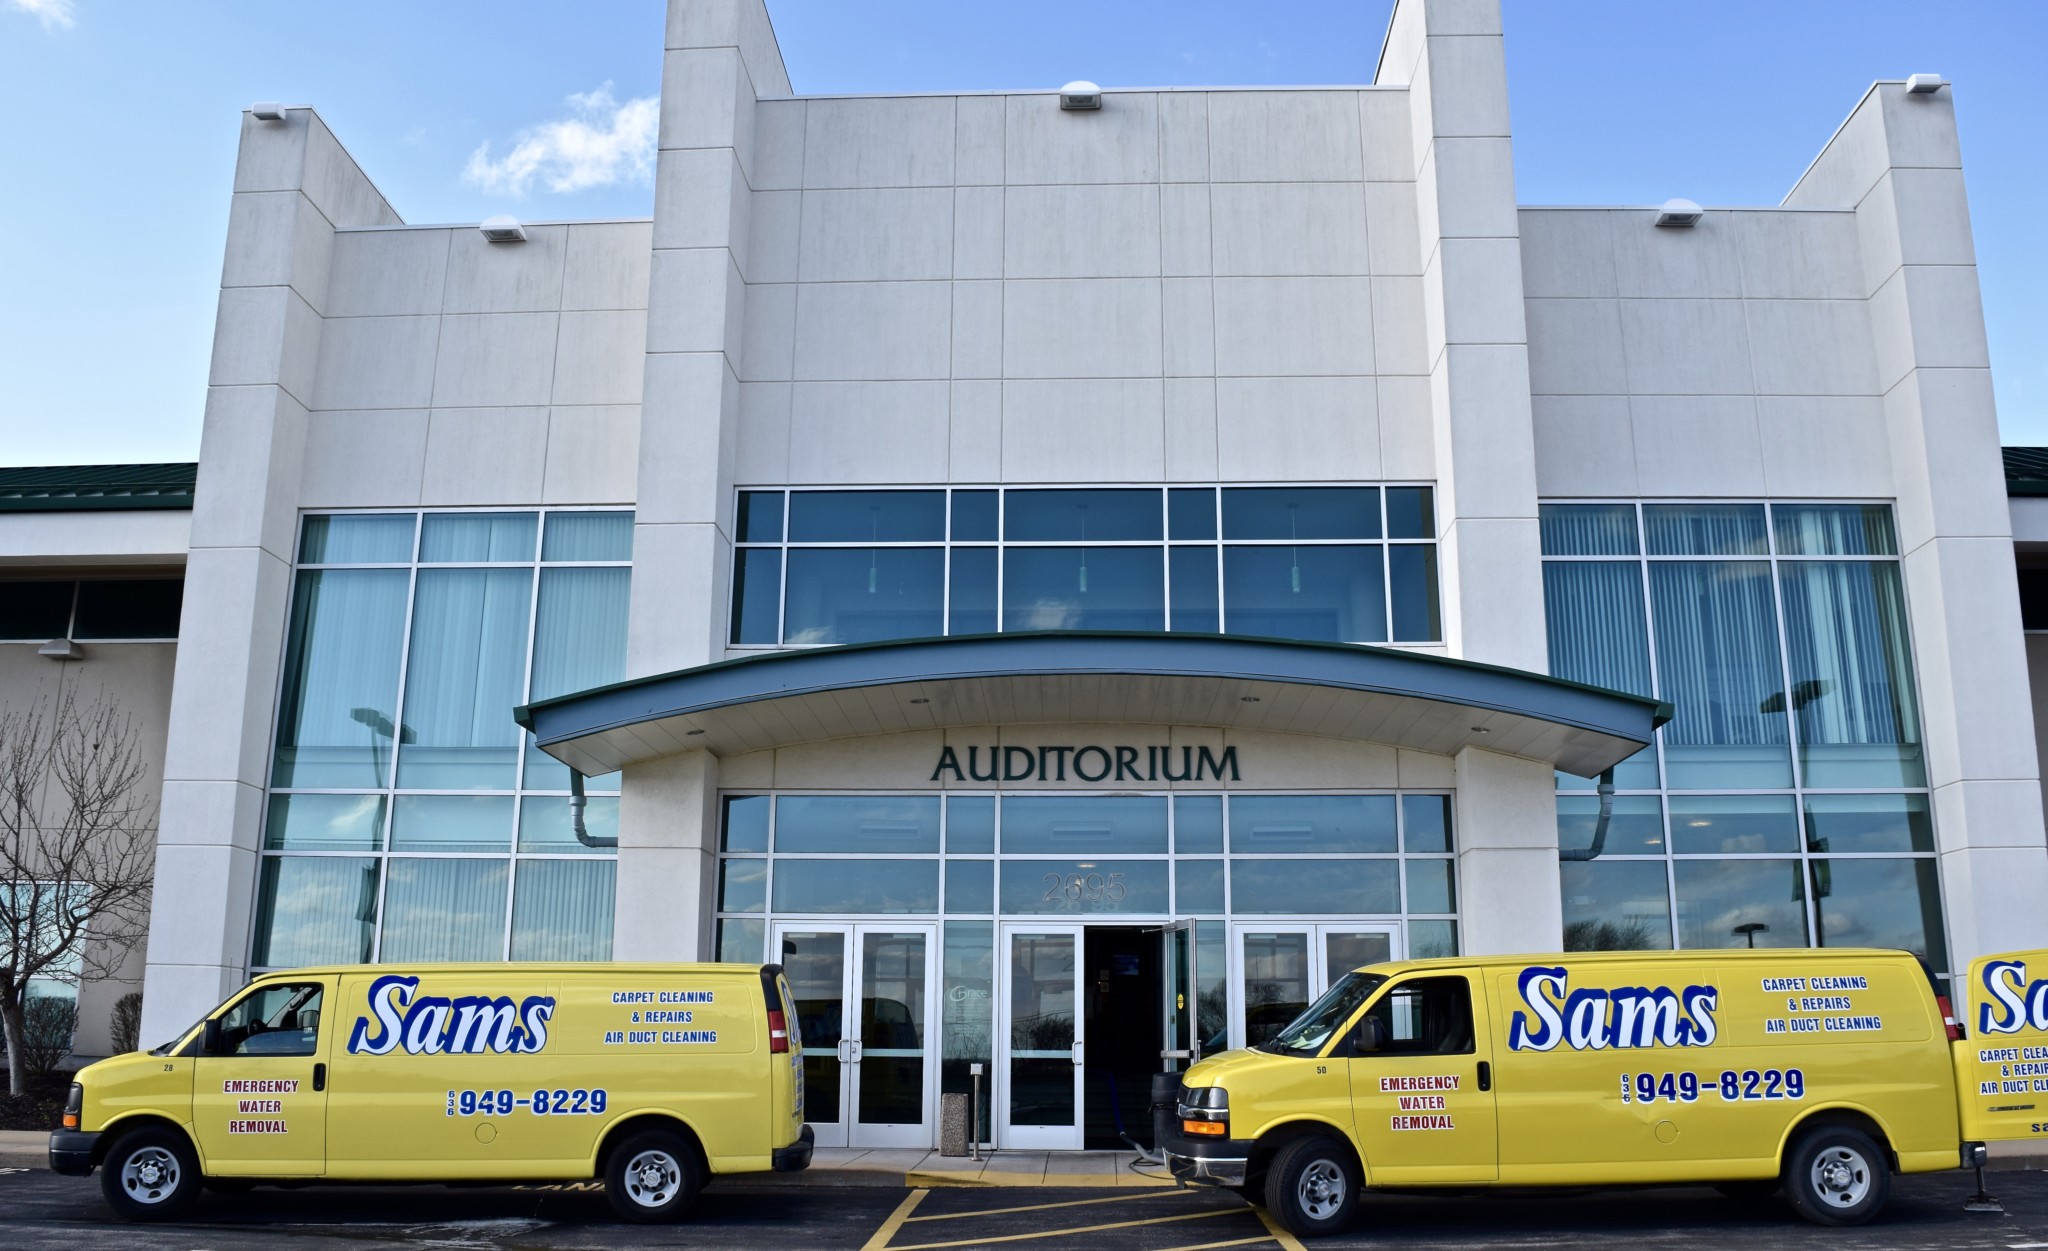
(77, 850)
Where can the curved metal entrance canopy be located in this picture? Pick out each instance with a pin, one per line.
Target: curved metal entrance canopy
(1367, 694)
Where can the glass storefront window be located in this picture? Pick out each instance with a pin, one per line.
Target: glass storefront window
(1313, 887)
(872, 824)
(743, 885)
(1615, 905)
(814, 887)
(1328, 593)
(1083, 588)
(1280, 824)
(1091, 886)
(1077, 824)
(1873, 902)
(966, 1023)
(970, 886)
(861, 594)
(1852, 823)
(1733, 824)
(395, 739)
(1740, 903)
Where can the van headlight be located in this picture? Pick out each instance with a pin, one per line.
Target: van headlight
(1205, 1111)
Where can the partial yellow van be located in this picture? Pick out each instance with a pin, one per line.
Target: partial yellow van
(1821, 1072)
(650, 1077)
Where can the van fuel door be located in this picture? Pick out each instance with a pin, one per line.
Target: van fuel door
(2002, 1060)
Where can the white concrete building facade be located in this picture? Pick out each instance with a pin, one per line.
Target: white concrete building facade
(1009, 564)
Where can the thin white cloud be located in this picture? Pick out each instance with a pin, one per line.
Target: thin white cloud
(602, 142)
(55, 15)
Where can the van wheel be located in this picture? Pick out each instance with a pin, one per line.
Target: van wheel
(150, 1175)
(1312, 1186)
(652, 1176)
(1837, 1176)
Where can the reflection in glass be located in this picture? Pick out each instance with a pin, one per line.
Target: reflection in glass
(1197, 823)
(1314, 886)
(1852, 684)
(1301, 513)
(1275, 983)
(860, 595)
(464, 672)
(1637, 773)
(1333, 593)
(1597, 632)
(1717, 662)
(1587, 529)
(1834, 529)
(315, 910)
(579, 630)
(1840, 823)
(970, 824)
(1346, 952)
(757, 595)
(740, 939)
(1083, 588)
(357, 539)
(1198, 887)
(588, 536)
(325, 823)
(1615, 905)
(1711, 825)
(1294, 824)
(1194, 587)
(1426, 823)
(444, 910)
(1081, 516)
(972, 608)
(819, 886)
(814, 963)
(467, 538)
(1705, 529)
(1740, 903)
(452, 823)
(970, 886)
(335, 723)
(746, 823)
(1083, 886)
(1411, 575)
(1042, 1008)
(1079, 824)
(1432, 940)
(1880, 903)
(869, 824)
(966, 1008)
(743, 885)
(547, 825)
(892, 1012)
(1431, 886)
(867, 516)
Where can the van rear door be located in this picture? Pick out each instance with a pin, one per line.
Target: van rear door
(2002, 1060)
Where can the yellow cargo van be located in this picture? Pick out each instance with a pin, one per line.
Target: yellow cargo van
(649, 1076)
(1821, 1072)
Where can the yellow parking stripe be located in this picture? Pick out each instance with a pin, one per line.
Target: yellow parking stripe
(1059, 1233)
(1287, 1241)
(881, 1236)
(1209, 1246)
(1033, 1207)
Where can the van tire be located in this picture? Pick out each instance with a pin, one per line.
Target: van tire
(151, 1174)
(1312, 1186)
(652, 1176)
(1836, 1175)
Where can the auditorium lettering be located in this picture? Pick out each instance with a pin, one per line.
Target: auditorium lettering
(1087, 764)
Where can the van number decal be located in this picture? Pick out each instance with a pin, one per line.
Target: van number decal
(1750, 1085)
(540, 1102)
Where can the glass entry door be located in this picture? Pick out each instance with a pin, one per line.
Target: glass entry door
(863, 998)
(1279, 969)
(1180, 994)
(1038, 1106)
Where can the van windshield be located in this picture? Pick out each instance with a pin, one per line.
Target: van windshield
(1307, 1034)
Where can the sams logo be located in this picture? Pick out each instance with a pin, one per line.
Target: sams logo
(1592, 1020)
(433, 1024)
(2012, 1003)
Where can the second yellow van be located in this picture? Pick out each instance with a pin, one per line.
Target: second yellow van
(648, 1076)
(1818, 1072)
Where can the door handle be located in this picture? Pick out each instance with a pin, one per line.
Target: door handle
(1077, 1051)
(319, 1077)
(1485, 1076)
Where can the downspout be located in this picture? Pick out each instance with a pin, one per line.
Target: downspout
(1590, 852)
(577, 802)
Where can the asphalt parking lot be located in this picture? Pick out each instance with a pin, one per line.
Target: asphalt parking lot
(39, 1209)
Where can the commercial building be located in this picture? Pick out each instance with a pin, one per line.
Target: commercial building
(937, 547)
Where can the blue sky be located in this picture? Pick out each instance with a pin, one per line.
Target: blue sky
(118, 125)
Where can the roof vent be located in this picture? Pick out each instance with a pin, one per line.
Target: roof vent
(267, 111)
(1680, 213)
(1080, 95)
(1925, 84)
(504, 228)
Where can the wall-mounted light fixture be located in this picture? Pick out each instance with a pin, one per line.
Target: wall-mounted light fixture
(62, 649)
(1925, 84)
(1080, 95)
(504, 228)
(267, 111)
(1680, 213)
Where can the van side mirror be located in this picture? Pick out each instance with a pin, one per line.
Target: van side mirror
(1370, 1036)
(210, 1039)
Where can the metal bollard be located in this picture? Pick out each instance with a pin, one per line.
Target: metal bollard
(974, 1116)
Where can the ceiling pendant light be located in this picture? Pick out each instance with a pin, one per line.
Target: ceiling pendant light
(1294, 552)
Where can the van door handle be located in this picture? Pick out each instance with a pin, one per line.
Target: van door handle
(1485, 1076)
(319, 1077)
